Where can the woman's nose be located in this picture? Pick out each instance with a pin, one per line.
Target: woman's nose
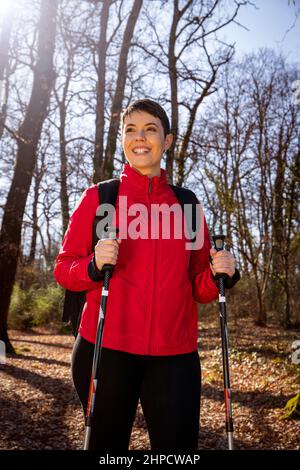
(140, 134)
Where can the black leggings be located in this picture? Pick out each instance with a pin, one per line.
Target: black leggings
(167, 386)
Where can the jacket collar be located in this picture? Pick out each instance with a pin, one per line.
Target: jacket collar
(132, 179)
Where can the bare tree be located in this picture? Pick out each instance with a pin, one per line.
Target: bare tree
(286, 199)
(69, 46)
(37, 176)
(180, 52)
(116, 107)
(100, 93)
(248, 154)
(29, 135)
(193, 24)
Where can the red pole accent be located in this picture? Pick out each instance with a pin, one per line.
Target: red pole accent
(91, 393)
(227, 397)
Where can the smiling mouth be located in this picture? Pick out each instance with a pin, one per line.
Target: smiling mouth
(141, 151)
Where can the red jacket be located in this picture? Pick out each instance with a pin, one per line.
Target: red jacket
(151, 306)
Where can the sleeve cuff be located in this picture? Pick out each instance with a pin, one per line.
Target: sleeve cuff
(94, 273)
(229, 281)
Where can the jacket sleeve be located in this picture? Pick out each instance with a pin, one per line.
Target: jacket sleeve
(204, 287)
(75, 268)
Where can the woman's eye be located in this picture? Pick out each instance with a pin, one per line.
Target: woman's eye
(151, 129)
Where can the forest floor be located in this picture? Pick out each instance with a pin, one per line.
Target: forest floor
(40, 409)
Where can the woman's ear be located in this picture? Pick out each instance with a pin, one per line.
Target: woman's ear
(168, 141)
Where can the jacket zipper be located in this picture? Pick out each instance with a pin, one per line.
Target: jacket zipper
(153, 258)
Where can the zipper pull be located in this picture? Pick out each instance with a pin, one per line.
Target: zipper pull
(150, 185)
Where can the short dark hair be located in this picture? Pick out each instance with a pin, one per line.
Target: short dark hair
(150, 107)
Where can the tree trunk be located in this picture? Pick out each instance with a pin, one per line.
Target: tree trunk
(100, 122)
(261, 317)
(278, 235)
(292, 205)
(64, 198)
(29, 132)
(34, 221)
(108, 166)
(174, 92)
(182, 153)
(35, 227)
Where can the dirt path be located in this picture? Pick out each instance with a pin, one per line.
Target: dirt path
(40, 409)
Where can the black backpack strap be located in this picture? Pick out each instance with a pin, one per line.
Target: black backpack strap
(108, 193)
(186, 196)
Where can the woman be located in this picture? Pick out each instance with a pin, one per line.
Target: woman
(150, 335)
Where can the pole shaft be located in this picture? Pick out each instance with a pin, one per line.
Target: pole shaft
(225, 358)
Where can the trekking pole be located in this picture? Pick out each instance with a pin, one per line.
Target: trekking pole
(219, 245)
(107, 269)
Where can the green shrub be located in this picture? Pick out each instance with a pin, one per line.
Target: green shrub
(21, 308)
(35, 306)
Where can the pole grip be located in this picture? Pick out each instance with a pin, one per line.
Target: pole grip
(219, 246)
(111, 233)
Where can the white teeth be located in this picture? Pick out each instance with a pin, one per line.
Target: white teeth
(141, 150)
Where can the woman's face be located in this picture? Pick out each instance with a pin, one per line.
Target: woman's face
(144, 142)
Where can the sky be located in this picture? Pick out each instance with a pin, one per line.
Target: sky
(267, 26)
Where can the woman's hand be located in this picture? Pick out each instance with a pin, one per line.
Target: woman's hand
(106, 252)
(222, 262)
